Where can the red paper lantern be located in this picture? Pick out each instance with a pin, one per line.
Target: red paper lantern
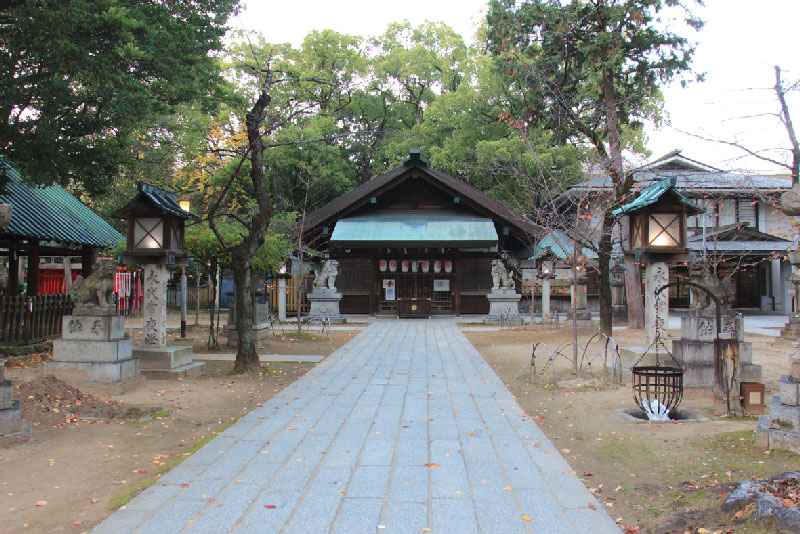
(382, 265)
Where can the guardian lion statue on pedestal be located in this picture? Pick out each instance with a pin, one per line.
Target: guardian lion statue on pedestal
(501, 279)
(94, 295)
(325, 278)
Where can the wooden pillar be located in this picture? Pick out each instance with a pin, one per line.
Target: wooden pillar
(33, 268)
(13, 272)
(457, 281)
(374, 290)
(88, 255)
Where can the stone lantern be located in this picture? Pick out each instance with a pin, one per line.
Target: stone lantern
(156, 225)
(619, 310)
(657, 236)
(155, 228)
(546, 271)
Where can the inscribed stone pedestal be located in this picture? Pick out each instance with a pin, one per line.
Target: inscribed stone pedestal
(656, 309)
(155, 306)
(94, 354)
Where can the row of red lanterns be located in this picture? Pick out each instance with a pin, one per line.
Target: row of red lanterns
(415, 266)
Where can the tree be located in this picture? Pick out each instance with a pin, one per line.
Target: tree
(589, 69)
(783, 114)
(79, 79)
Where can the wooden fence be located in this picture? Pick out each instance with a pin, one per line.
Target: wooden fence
(25, 320)
(291, 295)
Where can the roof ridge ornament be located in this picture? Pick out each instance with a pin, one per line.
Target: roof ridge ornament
(415, 158)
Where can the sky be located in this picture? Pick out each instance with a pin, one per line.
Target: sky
(737, 51)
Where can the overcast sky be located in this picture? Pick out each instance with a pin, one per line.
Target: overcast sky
(737, 49)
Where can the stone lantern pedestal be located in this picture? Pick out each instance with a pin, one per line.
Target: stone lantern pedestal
(158, 360)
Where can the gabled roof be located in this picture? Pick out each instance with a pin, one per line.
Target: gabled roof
(560, 245)
(52, 214)
(661, 190)
(738, 232)
(692, 177)
(480, 202)
(675, 161)
(155, 197)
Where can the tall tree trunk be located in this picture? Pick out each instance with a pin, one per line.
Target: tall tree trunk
(213, 342)
(613, 165)
(246, 355)
(633, 296)
(604, 282)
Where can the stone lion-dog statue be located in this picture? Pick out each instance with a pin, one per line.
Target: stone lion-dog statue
(501, 279)
(94, 295)
(326, 277)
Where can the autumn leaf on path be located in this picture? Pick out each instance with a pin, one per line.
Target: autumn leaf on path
(41, 503)
(526, 518)
(431, 465)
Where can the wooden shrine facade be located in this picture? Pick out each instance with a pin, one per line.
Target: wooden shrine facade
(416, 242)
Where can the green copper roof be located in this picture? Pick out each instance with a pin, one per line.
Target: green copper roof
(561, 246)
(415, 228)
(652, 194)
(52, 214)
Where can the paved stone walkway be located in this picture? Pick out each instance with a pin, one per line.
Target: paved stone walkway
(405, 428)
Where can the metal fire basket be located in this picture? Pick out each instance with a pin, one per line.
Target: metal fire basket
(663, 383)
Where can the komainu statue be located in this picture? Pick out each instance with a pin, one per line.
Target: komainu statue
(501, 279)
(325, 278)
(94, 295)
(721, 287)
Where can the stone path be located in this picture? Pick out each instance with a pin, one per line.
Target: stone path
(405, 429)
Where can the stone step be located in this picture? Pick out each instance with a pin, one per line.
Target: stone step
(185, 371)
(170, 357)
(77, 373)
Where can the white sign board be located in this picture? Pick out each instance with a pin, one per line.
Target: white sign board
(441, 285)
(389, 287)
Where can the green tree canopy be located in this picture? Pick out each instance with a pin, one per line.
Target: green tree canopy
(79, 79)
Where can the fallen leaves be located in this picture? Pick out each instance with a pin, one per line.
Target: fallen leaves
(526, 518)
(41, 503)
(431, 465)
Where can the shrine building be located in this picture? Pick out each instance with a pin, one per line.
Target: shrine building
(417, 242)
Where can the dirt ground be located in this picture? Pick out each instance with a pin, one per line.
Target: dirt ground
(78, 465)
(652, 477)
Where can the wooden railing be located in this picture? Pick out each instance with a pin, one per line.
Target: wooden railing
(25, 320)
